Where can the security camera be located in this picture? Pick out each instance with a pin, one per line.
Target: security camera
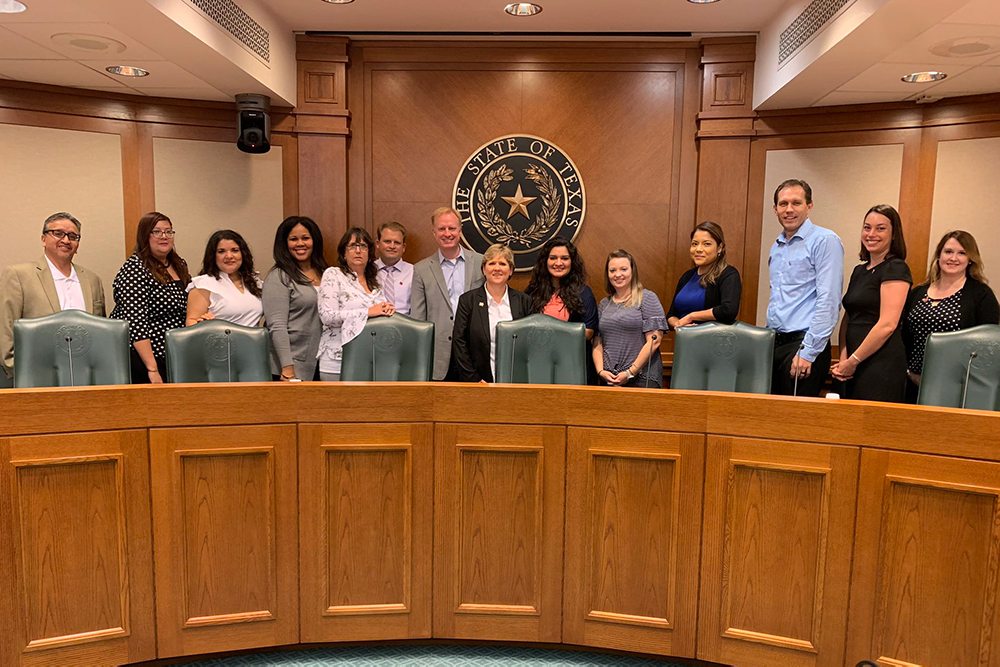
(253, 122)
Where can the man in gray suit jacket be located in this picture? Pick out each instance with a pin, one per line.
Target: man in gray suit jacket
(51, 284)
(439, 280)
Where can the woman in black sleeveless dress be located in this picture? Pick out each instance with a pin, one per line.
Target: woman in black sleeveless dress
(872, 354)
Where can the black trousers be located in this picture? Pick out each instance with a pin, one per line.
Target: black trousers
(139, 373)
(786, 346)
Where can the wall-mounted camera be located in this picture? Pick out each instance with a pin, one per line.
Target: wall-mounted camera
(253, 122)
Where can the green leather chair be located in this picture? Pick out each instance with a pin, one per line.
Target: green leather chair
(71, 348)
(947, 360)
(218, 351)
(723, 357)
(544, 351)
(402, 349)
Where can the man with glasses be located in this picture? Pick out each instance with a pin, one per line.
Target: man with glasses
(51, 284)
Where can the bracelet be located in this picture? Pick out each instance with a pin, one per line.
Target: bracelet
(855, 357)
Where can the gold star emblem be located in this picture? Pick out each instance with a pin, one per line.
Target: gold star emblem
(518, 203)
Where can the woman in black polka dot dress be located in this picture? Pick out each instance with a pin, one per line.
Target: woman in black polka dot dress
(150, 295)
(956, 296)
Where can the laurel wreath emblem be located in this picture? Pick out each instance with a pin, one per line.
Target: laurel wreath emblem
(499, 228)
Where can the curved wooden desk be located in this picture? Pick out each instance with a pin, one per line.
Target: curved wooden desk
(750, 530)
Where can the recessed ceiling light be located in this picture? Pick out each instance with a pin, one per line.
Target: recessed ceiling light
(11, 7)
(924, 77)
(339, 2)
(522, 9)
(701, 2)
(126, 70)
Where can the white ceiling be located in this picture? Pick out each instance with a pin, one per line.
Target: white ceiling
(149, 39)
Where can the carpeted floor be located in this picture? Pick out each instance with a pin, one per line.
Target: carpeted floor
(423, 656)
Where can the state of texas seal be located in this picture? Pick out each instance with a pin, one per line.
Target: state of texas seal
(521, 191)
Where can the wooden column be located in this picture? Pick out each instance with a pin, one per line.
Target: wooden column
(725, 126)
(322, 123)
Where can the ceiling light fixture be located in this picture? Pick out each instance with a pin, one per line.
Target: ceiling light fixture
(339, 2)
(11, 7)
(924, 77)
(126, 70)
(701, 2)
(523, 9)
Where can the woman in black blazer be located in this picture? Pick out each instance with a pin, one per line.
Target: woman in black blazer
(956, 296)
(473, 340)
(709, 292)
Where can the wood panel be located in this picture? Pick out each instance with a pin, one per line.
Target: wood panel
(225, 522)
(633, 517)
(924, 587)
(498, 532)
(777, 547)
(365, 514)
(79, 534)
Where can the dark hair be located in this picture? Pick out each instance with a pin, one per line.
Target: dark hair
(371, 271)
(971, 248)
(145, 253)
(635, 299)
(392, 226)
(897, 246)
(540, 287)
(719, 265)
(246, 271)
(283, 259)
(62, 215)
(791, 183)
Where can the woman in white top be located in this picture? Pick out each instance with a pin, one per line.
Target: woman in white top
(228, 287)
(348, 295)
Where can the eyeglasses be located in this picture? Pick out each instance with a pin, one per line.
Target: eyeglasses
(163, 233)
(357, 246)
(60, 234)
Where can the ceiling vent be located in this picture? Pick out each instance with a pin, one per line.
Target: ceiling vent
(807, 24)
(231, 18)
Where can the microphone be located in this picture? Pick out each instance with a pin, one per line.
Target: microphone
(373, 355)
(229, 355)
(69, 351)
(649, 363)
(968, 372)
(513, 348)
(795, 388)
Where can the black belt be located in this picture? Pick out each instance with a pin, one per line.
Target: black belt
(783, 337)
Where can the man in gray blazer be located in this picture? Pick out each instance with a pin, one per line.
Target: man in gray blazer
(439, 280)
(51, 284)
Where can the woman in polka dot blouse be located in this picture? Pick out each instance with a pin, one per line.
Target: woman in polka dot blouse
(956, 296)
(150, 295)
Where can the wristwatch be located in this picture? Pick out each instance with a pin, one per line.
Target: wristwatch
(628, 374)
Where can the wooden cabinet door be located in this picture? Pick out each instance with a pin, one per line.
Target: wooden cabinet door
(924, 590)
(776, 552)
(498, 531)
(366, 521)
(77, 549)
(633, 533)
(225, 523)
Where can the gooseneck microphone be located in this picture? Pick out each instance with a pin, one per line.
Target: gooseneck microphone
(795, 387)
(373, 355)
(513, 348)
(229, 355)
(649, 363)
(69, 350)
(968, 372)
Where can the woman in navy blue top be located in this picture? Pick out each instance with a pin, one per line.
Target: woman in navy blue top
(709, 292)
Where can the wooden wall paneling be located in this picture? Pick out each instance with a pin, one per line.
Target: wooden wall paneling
(633, 526)
(323, 186)
(756, 229)
(498, 531)
(723, 176)
(776, 552)
(226, 528)
(926, 558)
(289, 172)
(80, 549)
(366, 516)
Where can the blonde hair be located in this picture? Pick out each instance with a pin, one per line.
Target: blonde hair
(441, 210)
(498, 249)
(971, 248)
(635, 298)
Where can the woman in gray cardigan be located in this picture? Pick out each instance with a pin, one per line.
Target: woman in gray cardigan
(290, 299)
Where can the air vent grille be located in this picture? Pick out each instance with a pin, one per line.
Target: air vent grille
(807, 24)
(239, 24)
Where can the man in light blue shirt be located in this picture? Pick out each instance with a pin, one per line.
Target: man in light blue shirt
(806, 269)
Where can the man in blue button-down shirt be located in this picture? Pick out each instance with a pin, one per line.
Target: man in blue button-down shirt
(806, 268)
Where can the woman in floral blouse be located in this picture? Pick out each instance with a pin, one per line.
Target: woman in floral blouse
(348, 295)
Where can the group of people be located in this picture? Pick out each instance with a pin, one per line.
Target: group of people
(312, 310)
